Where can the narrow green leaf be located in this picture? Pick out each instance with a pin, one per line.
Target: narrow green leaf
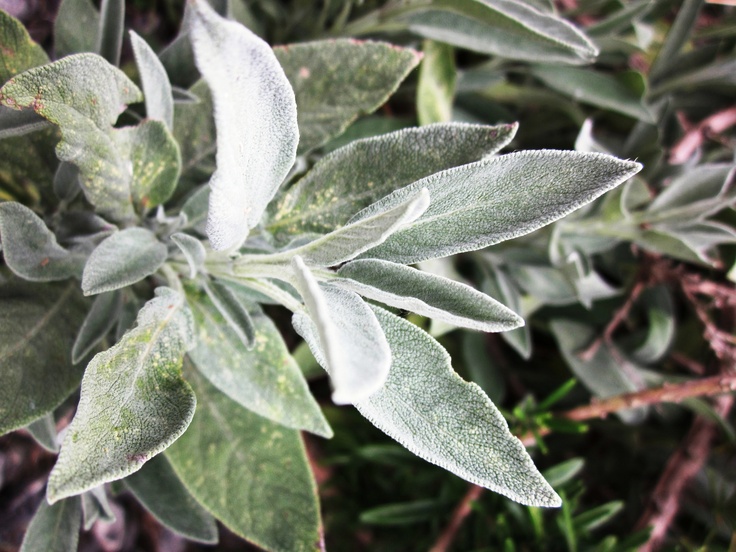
(430, 410)
(677, 37)
(351, 240)
(595, 517)
(19, 50)
(44, 433)
(54, 528)
(75, 28)
(162, 493)
(85, 102)
(356, 352)
(255, 115)
(96, 507)
(31, 250)
(124, 258)
(427, 294)
(99, 322)
(496, 283)
(621, 19)
(524, 191)
(661, 328)
(436, 88)
(483, 368)
(349, 179)
(336, 81)
(155, 82)
(195, 209)
(267, 471)
(233, 311)
(38, 324)
(506, 28)
(110, 34)
(407, 513)
(152, 405)
(194, 131)
(265, 380)
(561, 473)
(193, 251)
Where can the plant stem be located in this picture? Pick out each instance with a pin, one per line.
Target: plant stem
(462, 510)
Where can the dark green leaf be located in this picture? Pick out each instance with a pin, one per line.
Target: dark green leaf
(99, 322)
(75, 27)
(54, 528)
(20, 52)
(43, 431)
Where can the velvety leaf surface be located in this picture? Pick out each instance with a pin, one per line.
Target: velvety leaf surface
(431, 411)
(193, 251)
(426, 294)
(356, 352)
(505, 28)
(122, 259)
(110, 34)
(155, 82)
(85, 103)
(75, 27)
(54, 528)
(501, 198)
(31, 250)
(19, 51)
(436, 87)
(269, 496)
(161, 492)
(336, 81)
(234, 311)
(351, 178)
(134, 402)
(255, 116)
(97, 324)
(194, 131)
(38, 324)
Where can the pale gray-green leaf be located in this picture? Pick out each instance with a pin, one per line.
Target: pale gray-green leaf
(351, 240)
(336, 81)
(194, 130)
(162, 493)
(430, 410)
(426, 294)
(496, 199)
(19, 123)
(233, 311)
(124, 258)
(497, 283)
(110, 33)
(85, 102)
(44, 433)
(267, 471)
(436, 87)
(66, 181)
(20, 52)
(99, 322)
(96, 507)
(256, 120)
(54, 528)
(193, 251)
(357, 354)
(75, 27)
(349, 179)
(30, 248)
(265, 380)
(507, 28)
(134, 401)
(155, 82)
(38, 324)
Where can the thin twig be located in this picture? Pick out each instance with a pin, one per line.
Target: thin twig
(697, 134)
(462, 510)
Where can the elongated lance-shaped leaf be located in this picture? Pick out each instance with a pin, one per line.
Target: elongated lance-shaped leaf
(31, 250)
(507, 28)
(99, 322)
(265, 380)
(431, 411)
(75, 27)
(336, 81)
(233, 311)
(193, 251)
(267, 471)
(96, 507)
(255, 116)
(44, 433)
(85, 101)
(111, 30)
(351, 240)
(38, 324)
(436, 87)
(19, 123)
(496, 199)
(351, 178)
(124, 258)
(20, 52)
(54, 528)
(155, 82)
(427, 294)
(356, 351)
(162, 493)
(134, 401)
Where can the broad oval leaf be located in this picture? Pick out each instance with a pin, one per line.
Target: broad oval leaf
(54, 528)
(155, 82)
(496, 199)
(124, 258)
(255, 116)
(427, 294)
(336, 81)
(19, 50)
(353, 177)
(85, 102)
(134, 401)
(31, 250)
(267, 471)
(265, 380)
(357, 354)
(439, 417)
(38, 324)
(162, 493)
